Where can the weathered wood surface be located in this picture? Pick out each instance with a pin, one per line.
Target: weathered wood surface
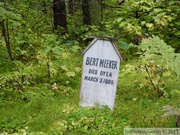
(101, 64)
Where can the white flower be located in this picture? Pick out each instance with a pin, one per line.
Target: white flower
(64, 68)
(77, 69)
(134, 99)
(70, 74)
(64, 56)
(67, 82)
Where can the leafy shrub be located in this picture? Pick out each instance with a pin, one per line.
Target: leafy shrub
(87, 121)
(159, 62)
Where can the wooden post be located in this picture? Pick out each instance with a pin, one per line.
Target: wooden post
(101, 64)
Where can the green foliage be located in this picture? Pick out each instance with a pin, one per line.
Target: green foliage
(158, 52)
(159, 62)
(87, 121)
(39, 89)
(27, 112)
(39, 110)
(137, 19)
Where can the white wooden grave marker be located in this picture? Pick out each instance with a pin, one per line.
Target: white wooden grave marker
(101, 64)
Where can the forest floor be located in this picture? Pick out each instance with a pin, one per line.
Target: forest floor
(39, 110)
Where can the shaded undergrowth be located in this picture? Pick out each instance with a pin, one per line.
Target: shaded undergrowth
(40, 110)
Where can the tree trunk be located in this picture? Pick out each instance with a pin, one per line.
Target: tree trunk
(86, 13)
(5, 33)
(70, 4)
(59, 11)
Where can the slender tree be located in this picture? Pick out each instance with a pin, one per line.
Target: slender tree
(71, 4)
(4, 24)
(59, 11)
(86, 12)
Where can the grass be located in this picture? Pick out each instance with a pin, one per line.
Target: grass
(41, 111)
